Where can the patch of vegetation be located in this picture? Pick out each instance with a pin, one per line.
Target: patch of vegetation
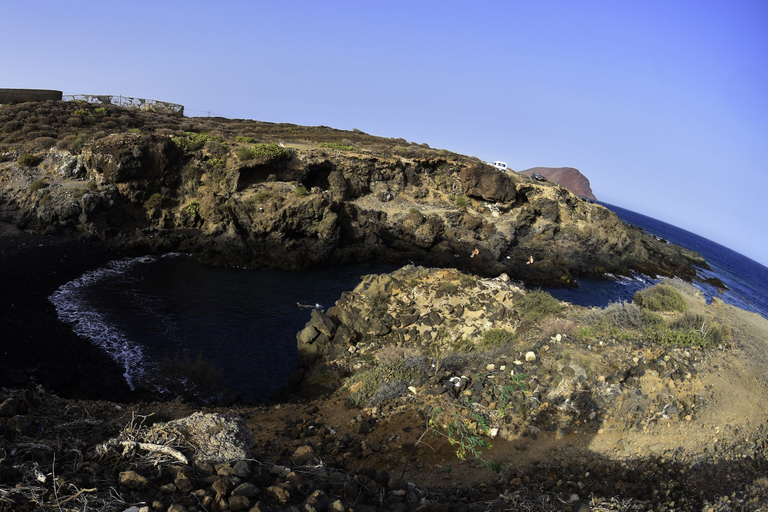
(448, 287)
(29, 160)
(462, 345)
(652, 319)
(244, 139)
(463, 427)
(191, 141)
(494, 466)
(37, 184)
(586, 363)
(461, 202)
(265, 194)
(191, 210)
(215, 163)
(338, 146)
(45, 199)
(555, 326)
(193, 172)
(157, 200)
(384, 381)
(300, 191)
(537, 305)
(495, 337)
(661, 297)
(466, 281)
(263, 153)
(690, 330)
(79, 192)
(135, 130)
(618, 320)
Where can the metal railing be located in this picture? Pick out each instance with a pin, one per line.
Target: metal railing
(128, 102)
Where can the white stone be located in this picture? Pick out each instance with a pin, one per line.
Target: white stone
(490, 367)
(559, 337)
(530, 356)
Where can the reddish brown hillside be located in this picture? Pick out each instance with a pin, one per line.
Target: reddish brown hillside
(567, 177)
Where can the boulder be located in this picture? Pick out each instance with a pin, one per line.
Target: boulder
(216, 437)
(487, 183)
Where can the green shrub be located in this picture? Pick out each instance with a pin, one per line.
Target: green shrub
(385, 381)
(156, 200)
(466, 281)
(300, 191)
(37, 185)
(495, 337)
(244, 140)
(263, 153)
(537, 305)
(191, 141)
(689, 321)
(623, 315)
(651, 319)
(661, 297)
(461, 202)
(134, 130)
(215, 163)
(29, 160)
(45, 199)
(697, 329)
(192, 210)
(462, 426)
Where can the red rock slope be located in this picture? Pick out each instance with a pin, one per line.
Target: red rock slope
(567, 177)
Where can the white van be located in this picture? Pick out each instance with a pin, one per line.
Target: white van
(502, 166)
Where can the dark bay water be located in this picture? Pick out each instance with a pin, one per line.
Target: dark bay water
(245, 321)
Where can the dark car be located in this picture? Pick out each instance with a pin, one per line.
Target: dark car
(538, 177)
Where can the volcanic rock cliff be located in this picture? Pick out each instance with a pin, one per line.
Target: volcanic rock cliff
(255, 194)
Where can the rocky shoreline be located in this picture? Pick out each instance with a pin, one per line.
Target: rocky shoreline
(542, 420)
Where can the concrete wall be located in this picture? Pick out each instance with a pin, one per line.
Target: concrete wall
(13, 95)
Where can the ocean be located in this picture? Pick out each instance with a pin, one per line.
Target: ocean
(245, 322)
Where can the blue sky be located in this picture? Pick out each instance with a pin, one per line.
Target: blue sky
(662, 105)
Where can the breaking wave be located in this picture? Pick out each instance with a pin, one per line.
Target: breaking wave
(73, 307)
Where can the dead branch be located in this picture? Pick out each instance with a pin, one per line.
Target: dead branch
(129, 446)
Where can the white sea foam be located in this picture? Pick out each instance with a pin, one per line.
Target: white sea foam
(72, 308)
(633, 279)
